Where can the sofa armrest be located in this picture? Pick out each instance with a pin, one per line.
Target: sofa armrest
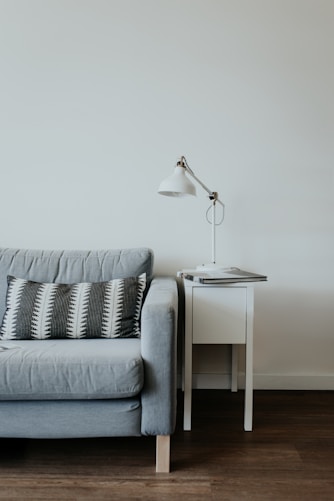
(159, 347)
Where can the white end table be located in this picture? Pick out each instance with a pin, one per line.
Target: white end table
(219, 314)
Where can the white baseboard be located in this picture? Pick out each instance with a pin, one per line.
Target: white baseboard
(294, 381)
(267, 381)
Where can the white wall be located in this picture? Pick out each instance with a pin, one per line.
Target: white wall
(100, 97)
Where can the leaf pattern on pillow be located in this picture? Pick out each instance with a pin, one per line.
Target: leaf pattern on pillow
(78, 310)
(14, 293)
(42, 311)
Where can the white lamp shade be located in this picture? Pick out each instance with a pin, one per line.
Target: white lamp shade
(177, 185)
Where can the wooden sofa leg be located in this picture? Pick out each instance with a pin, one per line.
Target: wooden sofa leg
(163, 454)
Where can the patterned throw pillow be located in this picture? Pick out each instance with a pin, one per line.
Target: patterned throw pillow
(85, 310)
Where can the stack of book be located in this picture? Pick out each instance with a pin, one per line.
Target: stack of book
(225, 276)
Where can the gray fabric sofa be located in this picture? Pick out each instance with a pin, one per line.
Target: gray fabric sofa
(91, 387)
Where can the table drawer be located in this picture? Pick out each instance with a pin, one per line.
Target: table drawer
(219, 315)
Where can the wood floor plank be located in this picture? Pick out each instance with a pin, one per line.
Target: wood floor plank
(288, 456)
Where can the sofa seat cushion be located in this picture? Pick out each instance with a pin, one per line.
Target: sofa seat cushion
(70, 369)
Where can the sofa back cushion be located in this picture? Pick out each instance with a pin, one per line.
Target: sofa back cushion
(70, 266)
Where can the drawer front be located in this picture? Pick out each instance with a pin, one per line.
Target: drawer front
(219, 315)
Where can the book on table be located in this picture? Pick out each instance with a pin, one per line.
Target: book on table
(225, 276)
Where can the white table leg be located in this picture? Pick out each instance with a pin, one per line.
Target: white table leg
(234, 369)
(188, 360)
(248, 418)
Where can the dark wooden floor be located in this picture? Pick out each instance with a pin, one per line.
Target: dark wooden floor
(288, 456)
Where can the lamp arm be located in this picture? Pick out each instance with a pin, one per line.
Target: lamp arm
(213, 195)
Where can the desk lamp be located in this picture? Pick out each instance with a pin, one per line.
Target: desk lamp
(179, 185)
